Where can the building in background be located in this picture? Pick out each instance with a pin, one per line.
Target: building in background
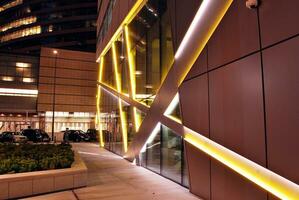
(239, 98)
(67, 85)
(26, 76)
(18, 91)
(26, 25)
(31, 87)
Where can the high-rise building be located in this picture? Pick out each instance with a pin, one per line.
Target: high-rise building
(204, 93)
(26, 25)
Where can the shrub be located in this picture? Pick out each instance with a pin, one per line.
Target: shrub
(32, 157)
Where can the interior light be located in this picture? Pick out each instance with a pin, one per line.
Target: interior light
(28, 80)
(152, 136)
(7, 78)
(137, 72)
(55, 52)
(18, 91)
(23, 65)
(149, 86)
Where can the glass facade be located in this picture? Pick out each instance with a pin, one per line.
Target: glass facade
(135, 65)
(150, 34)
(164, 154)
(111, 123)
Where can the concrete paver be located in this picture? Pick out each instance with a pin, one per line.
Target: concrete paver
(112, 178)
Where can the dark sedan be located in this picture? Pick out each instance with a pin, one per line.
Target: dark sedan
(36, 135)
(6, 137)
(75, 136)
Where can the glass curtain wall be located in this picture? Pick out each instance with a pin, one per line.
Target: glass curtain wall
(150, 33)
(164, 154)
(110, 123)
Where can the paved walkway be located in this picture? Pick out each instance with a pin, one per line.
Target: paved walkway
(112, 178)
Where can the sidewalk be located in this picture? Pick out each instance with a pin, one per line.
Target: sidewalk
(112, 178)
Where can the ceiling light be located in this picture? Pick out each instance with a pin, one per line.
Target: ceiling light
(23, 65)
(7, 78)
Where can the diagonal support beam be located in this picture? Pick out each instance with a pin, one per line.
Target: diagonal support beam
(202, 27)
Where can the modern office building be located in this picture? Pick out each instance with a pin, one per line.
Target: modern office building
(32, 87)
(204, 93)
(26, 25)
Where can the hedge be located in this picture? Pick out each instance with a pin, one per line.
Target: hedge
(34, 157)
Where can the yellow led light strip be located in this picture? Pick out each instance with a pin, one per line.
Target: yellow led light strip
(130, 16)
(98, 116)
(199, 19)
(273, 183)
(123, 120)
(175, 101)
(132, 67)
(132, 70)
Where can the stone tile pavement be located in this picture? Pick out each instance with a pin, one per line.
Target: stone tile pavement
(112, 178)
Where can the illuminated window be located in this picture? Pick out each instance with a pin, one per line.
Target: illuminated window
(17, 23)
(21, 33)
(23, 65)
(28, 80)
(10, 5)
(7, 78)
(18, 92)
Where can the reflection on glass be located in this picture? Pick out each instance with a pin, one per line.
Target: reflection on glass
(153, 154)
(150, 43)
(165, 155)
(108, 70)
(185, 173)
(171, 154)
(110, 122)
(122, 64)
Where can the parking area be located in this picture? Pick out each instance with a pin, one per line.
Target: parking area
(110, 177)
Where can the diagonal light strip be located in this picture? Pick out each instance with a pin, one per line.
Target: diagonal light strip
(98, 116)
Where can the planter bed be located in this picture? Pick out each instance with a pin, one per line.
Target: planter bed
(40, 182)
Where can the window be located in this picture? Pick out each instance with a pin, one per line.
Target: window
(17, 23)
(10, 5)
(21, 33)
(164, 154)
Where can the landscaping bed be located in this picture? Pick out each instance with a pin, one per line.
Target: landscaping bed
(34, 157)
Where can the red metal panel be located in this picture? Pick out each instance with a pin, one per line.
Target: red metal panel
(226, 184)
(236, 35)
(279, 20)
(185, 12)
(200, 66)
(194, 104)
(282, 111)
(236, 108)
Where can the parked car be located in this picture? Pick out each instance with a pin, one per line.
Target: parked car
(32, 135)
(36, 135)
(93, 135)
(45, 136)
(75, 136)
(6, 137)
(19, 138)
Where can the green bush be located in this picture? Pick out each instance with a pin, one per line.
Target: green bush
(32, 157)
